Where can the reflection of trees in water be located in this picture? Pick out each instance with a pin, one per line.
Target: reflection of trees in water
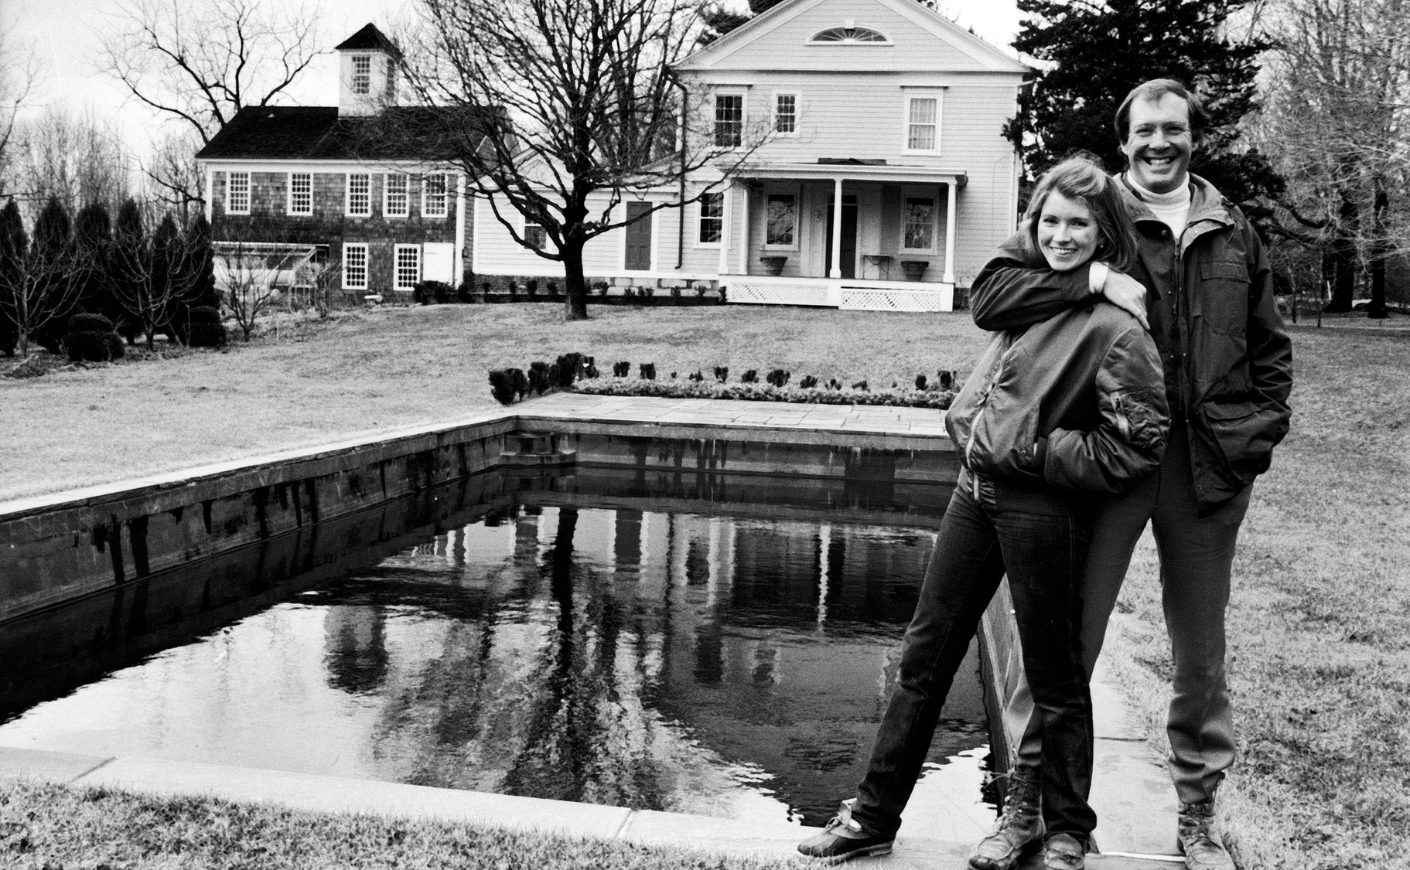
(576, 670)
(355, 648)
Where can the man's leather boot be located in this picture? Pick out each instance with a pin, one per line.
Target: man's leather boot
(1198, 843)
(1020, 827)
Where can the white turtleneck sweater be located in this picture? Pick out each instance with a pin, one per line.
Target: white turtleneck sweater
(1173, 208)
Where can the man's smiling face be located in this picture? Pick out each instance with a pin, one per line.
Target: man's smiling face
(1159, 143)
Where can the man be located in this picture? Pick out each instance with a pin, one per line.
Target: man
(1204, 287)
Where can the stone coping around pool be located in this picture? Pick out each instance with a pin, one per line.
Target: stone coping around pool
(859, 426)
(917, 847)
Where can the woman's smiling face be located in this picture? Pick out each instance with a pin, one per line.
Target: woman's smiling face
(1067, 232)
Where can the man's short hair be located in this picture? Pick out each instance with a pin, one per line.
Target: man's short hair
(1153, 90)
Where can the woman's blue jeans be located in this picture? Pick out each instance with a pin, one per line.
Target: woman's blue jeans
(1043, 556)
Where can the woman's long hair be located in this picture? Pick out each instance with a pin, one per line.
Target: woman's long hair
(1081, 178)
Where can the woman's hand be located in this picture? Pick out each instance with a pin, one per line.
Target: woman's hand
(1128, 294)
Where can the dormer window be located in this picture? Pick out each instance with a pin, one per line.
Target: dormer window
(850, 35)
(362, 74)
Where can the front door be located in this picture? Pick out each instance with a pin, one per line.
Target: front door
(638, 257)
(849, 236)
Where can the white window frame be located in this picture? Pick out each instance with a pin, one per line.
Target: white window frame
(230, 206)
(348, 195)
(348, 249)
(797, 204)
(534, 225)
(797, 115)
(743, 98)
(387, 209)
(290, 205)
(362, 81)
(397, 251)
(426, 210)
(700, 219)
(906, 197)
(938, 98)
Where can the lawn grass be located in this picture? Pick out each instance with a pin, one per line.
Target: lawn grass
(1319, 626)
(321, 381)
(93, 828)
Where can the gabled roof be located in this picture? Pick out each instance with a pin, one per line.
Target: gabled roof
(317, 133)
(370, 38)
(733, 50)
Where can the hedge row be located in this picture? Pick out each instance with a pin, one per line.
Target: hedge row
(757, 392)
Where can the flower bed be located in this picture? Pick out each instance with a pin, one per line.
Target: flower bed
(759, 392)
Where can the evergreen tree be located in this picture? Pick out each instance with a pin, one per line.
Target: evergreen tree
(129, 264)
(93, 236)
(52, 285)
(1093, 53)
(14, 245)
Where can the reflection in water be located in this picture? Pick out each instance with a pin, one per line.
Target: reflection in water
(666, 661)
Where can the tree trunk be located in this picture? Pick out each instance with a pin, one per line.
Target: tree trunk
(1339, 260)
(574, 282)
(1379, 253)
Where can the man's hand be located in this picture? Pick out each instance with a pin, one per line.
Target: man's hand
(1128, 294)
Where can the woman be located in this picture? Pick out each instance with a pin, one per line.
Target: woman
(1070, 408)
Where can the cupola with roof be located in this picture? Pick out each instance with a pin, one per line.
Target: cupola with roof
(367, 73)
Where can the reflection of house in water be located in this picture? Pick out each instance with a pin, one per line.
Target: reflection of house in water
(641, 659)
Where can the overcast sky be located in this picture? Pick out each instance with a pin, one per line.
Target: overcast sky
(66, 35)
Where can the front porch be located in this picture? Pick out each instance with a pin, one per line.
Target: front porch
(853, 234)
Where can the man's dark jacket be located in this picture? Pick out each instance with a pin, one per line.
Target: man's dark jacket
(1209, 298)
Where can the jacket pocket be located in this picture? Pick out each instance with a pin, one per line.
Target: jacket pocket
(1246, 433)
(1222, 297)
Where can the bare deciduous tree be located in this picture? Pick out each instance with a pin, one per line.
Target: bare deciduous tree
(201, 62)
(76, 158)
(578, 104)
(246, 280)
(19, 71)
(172, 175)
(1337, 119)
(39, 278)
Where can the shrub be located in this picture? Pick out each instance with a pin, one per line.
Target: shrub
(87, 339)
(508, 385)
(947, 380)
(749, 377)
(648, 371)
(570, 366)
(722, 373)
(860, 385)
(920, 382)
(538, 377)
(425, 292)
(589, 367)
(809, 382)
(621, 369)
(767, 393)
(206, 328)
(696, 375)
(777, 377)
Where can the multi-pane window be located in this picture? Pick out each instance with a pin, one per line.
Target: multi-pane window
(712, 219)
(354, 267)
(786, 114)
(781, 215)
(362, 74)
(535, 236)
(729, 120)
(396, 197)
(237, 190)
(359, 194)
(435, 200)
(408, 266)
(918, 224)
(301, 193)
(923, 124)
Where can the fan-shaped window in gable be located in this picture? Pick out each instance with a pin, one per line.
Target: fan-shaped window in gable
(850, 35)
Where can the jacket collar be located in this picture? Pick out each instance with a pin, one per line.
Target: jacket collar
(1206, 203)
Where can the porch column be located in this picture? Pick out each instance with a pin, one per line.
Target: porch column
(458, 259)
(744, 234)
(210, 191)
(949, 277)
(727, 194)
(836, 270)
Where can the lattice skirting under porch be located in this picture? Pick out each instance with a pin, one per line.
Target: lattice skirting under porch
(939, 298)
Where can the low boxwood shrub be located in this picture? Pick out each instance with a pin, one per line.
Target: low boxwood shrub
(508, 385)
(206, 328)
(90, 338)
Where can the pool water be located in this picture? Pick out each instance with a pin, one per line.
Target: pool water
(723, 665)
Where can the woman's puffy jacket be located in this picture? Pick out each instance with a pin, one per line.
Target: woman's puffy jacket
(1075, 402)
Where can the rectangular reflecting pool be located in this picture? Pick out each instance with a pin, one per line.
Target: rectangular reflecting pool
(705, 643)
